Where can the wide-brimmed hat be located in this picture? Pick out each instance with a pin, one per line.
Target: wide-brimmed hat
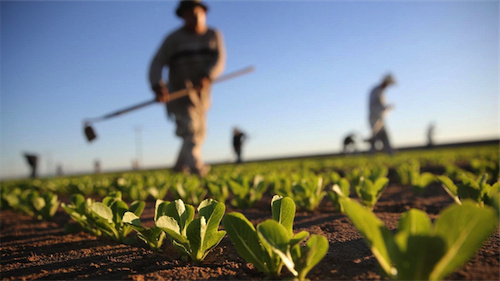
(189, 4)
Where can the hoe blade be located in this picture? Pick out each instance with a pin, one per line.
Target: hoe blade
(89, 133)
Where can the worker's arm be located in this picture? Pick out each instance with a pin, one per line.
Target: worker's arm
(160, 60)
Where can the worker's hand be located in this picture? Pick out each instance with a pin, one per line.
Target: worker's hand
(204, 83)
(161, 93)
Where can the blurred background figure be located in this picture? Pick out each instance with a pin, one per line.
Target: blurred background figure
(195, 55)
(350, 144)
(430, 135)
(32, 160)
(238, 138)
(97, 166)
(378, 109)
(59, 170)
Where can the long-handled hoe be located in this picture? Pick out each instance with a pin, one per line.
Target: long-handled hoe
(90, 133)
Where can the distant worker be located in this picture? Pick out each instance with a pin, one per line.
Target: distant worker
(59, 170)
(195, 55)
(430, 135)
(378, 109)
(350, 144)
(32, 160)
(238, 138)
(97, 166)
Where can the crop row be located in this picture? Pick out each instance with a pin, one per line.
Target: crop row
(419, 249)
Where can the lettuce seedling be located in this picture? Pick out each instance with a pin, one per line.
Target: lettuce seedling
(477, 190)
(369, 192)
(190, 190)
(272, 243)
(159, 190)
(103, 218)
(420, 250)
(30, 202)
(409, 174)
(340, 188)
(246, 192)
(308, 193)
(80, 212)
(193, 237)
(218, 190)
(153, 236)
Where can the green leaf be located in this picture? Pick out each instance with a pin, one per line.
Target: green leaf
(275, 237)
(464, 228)
(315, 250)
(38, 203)
(172, 228)
(132, 219)
(299, 237)
(449, 187)
(419, 256)
(137, 207)
(102, 211)
(244, 237)
(283, 211)
(376, 235)
(196, 232)
(160, 208)
(182, 213)
(213, 212)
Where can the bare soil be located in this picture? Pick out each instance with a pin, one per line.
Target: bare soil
(32, 249)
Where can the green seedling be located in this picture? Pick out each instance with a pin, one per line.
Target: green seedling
(191, 190)
(218, 190)
(246, 192)
(42, 206)
(369, 192)
(192, 237)
(272, 243)
(478, 190)
(103, 218)
(409, 174)
(421, 250)
(340, 188)
(152, 236)
(308, 193)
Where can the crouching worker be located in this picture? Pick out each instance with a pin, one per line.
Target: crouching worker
(195, 56)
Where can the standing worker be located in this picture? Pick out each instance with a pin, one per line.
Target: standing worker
(195, 55)
(238, 139)
(378, 109)
(32, 160)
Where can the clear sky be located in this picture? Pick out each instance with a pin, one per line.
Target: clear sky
(316, 61)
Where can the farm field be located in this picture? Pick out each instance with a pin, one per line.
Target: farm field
(42, 249)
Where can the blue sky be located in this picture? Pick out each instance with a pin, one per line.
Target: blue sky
(316, 61)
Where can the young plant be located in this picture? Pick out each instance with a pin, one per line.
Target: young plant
(420, 250)
(409, 174)
(272, 243)
(103, 217)
(369, 192)
(192, 237)
(30, 202)
(218, 190)
(477, 190)
(159, 190)
(373, 173)
(153, 236)
(190, 190)
(308, 193)
(246, 192)
(340, 188)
